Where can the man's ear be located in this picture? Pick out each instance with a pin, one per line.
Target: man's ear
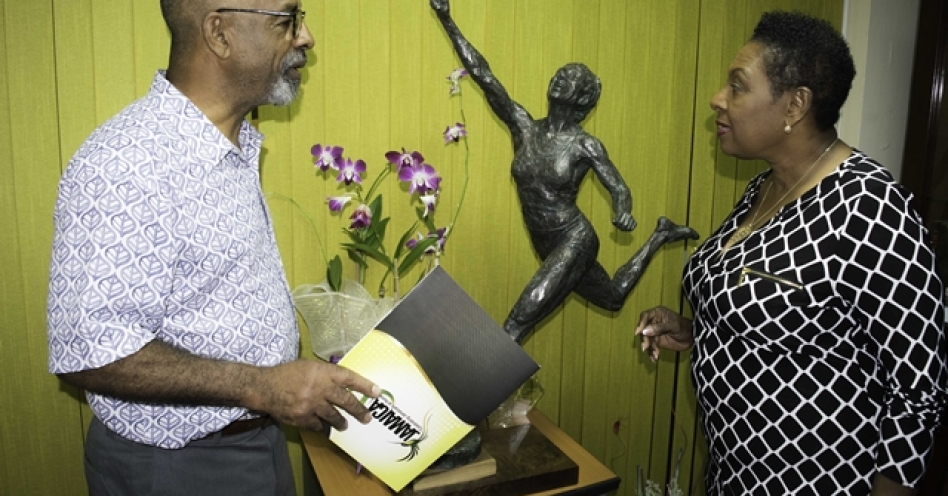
(799, 104)
(216, 35)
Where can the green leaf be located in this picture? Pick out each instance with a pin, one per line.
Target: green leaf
(415, 254)
(400, 247)
(378, 230)
(376, 206)
(371, 251)
(334, 273)
(357, 257)
(354, 235)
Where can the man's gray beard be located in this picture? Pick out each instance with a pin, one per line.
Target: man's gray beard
(284, 90)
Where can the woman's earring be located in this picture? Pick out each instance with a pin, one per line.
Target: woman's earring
(787, 129)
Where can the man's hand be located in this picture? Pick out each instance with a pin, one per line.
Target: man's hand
(305, 393)
(441, 7)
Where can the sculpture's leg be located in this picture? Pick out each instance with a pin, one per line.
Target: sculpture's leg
(559, 273)
(611, 295)
(665, 232)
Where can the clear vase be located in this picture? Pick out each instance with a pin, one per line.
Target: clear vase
(337, 320)
(513, 411)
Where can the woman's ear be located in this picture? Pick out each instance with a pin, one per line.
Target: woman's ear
(799, 104)
(216, 35)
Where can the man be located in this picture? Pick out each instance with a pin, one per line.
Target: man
(168, 302)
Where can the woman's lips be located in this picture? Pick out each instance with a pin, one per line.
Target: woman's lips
(722, 129)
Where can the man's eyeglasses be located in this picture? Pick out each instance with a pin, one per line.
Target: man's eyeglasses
(297, 15)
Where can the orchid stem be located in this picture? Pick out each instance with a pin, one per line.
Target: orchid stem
(312, 222)
(467, 173)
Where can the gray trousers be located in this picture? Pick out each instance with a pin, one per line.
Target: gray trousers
(253, 463)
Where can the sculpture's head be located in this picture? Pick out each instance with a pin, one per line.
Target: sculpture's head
(576, 86)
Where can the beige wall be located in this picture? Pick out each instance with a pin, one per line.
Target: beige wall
(881, 35)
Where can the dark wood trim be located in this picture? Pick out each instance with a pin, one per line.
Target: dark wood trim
(925, 104)
(925, 117)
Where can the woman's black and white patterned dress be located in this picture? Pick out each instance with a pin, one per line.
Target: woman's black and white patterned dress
(819, 354)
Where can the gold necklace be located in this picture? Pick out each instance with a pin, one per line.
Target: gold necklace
(745, 231)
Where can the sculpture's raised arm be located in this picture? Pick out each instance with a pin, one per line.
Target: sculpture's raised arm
(509, 111)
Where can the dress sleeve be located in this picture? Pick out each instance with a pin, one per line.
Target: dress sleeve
(888, 272)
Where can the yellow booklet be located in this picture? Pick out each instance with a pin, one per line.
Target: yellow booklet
(443, 365)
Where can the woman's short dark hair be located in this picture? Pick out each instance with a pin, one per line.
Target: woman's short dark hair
(802, 50)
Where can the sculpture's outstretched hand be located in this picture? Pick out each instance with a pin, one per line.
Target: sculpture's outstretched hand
(441, 7)
(625, 221)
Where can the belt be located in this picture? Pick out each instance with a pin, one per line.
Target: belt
(241, 426)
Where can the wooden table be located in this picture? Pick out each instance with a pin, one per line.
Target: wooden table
(336, 470)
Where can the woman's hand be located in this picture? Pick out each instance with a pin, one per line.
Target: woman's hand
(660, 327)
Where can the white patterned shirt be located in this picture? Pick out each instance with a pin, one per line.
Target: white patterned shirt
(162, 232)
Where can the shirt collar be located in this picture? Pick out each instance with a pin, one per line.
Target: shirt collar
(199, 132)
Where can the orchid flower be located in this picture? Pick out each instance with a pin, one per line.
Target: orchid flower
(404, 159)
(455, 79)
(454, 133)
(337, 203)
(429, 200)
(366, 235)
(361, 218)
(351, 171)
(422, 178)
(436, 248)
(328, 157)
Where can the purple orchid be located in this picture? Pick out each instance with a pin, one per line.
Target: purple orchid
(351, 171)
(435, 248)
(328, 157)
(455, 79)
(429, 200)
(454, 133)
(404, 159)
(361, 218)
(423, 178)
(337, 203)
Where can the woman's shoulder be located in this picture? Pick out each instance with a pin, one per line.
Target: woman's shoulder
(860, 175)
(862, 171)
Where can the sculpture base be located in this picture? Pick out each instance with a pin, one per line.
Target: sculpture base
(465, 451)
(526, 461)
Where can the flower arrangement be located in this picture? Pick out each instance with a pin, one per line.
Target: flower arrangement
(368, 223)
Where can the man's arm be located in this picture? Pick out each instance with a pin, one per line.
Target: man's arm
(301, 393)
(500, 102)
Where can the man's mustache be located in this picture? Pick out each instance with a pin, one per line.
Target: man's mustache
(294, 59)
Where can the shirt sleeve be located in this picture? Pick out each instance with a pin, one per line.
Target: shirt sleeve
(888, 271)
(110, 269)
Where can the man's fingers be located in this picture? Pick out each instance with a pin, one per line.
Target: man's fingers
(356, 382)
(331, 416)
(354, 407)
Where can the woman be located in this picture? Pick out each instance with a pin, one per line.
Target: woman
(551, 157)
(818, 358)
